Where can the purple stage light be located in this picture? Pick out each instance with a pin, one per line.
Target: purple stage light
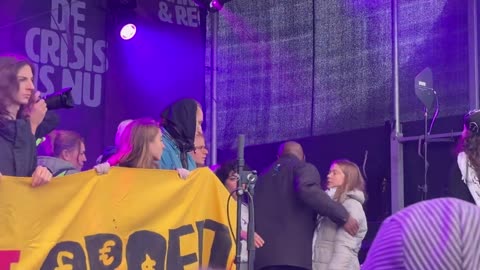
(211, 5)
(128, 31)
(216, 5)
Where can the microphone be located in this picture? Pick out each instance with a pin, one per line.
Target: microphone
(240, 193)
(247, 178)
(240, 153)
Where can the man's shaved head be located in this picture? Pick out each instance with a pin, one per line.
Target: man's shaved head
(292, 148)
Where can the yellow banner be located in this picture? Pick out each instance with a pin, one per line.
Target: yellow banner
(127, 219)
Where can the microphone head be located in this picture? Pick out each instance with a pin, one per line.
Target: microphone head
(241, 146)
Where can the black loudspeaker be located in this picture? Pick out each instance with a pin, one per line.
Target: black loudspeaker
(424, 88)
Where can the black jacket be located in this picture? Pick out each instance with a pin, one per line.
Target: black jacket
(456, 187)
(288, 197)
(18, 150)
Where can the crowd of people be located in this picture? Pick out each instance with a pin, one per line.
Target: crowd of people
(298, 224)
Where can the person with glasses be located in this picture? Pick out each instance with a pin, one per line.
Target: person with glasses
(200, 153)
(181, 122)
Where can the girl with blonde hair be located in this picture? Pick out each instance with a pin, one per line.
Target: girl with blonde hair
(141, 145)
(333, 247)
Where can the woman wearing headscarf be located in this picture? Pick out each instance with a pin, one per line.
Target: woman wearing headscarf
(181, 121)
(440, 234)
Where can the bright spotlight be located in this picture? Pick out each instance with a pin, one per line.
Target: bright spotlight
(128, 31)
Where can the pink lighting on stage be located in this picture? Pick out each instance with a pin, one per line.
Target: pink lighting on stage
(128, 31)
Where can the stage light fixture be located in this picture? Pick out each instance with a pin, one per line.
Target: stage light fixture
(211, 5)
(128, 31)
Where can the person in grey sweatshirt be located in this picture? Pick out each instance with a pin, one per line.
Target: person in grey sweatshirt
(63, 152)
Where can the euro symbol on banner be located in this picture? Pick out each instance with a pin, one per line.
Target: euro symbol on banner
(104, 251)
(148, 264)
(60, 263)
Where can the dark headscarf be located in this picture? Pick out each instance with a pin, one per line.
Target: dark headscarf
(180, 121)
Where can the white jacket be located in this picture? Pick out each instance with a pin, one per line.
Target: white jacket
(333, 247)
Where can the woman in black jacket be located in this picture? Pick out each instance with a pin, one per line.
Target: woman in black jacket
(23, 118)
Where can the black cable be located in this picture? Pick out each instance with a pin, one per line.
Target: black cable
(434, 116)
(228, 214)
(424, 188)
(250, 201)
(250, 198)
(364, 165)
(251, 232)
(419, 148)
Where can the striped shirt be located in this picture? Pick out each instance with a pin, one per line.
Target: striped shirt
(439, 234)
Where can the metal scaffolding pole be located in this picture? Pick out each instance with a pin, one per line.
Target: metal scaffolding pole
(397, 139)
(396, 147)
(213, 86)
(473, 54)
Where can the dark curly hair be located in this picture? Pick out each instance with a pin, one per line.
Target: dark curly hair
(225, 168)
(470, 139)
(470, 144)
